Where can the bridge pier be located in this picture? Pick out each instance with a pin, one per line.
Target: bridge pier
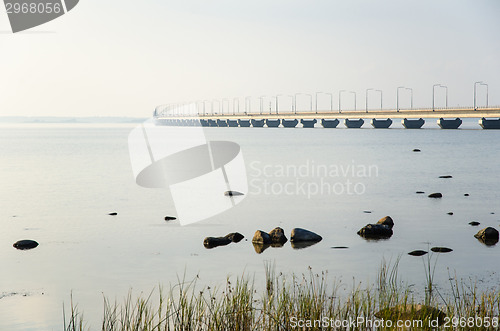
(287, 123)
(257, 123)
(381, 124)
(273, 123)
(354, 124)
(244, 123)
(489, 123)
(449, 123)
(204, 122)
(212, 123)
(232, 123)
(306, 123)
(329, 123)
(412, 123)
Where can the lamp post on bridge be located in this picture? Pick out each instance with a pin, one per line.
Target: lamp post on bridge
(249, 103)
(262, 102)
(283, 95)
(366, 97)
(397, 96)
(331, 100)
(222, 112)
(340, 98)
(295, 101)
(238, 103)
(218, 101)
(433, 93)
(484, 84)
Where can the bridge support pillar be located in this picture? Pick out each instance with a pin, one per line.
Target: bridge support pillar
(381, 124)
(221, 123)
(212, 123)
(307, 123)
(329, 123)
(449, 123)
(354, 124)
(287, 123)
(412, 123)
(490, 123)
(273, 123)
(244, 123)
(257, 123)
(232, 123)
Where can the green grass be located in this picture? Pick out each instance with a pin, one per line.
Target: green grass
(286, 300)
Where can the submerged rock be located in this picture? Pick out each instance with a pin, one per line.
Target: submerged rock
(232, 193)
(260, 248)
(25, 244)
(261, 237)
(441, 249)
(170, 218)
(450, 213)
(474, 223)
(235, 237)
(113, 214)
(339, 247)
(435, 195)
(375, 231)
(302, 244)
(411, 312)
(418, 252)
(416, 150)
(212, 242)
(367, 211)
(278, 236)
(446, 176)
(420, 192)
(488, 236)
(466, 194)
(299, 234)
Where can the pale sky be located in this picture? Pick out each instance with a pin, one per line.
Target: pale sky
(123, 58)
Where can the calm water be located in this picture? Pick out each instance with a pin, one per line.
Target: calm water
(58, 183)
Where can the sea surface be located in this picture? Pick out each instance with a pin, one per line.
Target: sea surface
(60, 181)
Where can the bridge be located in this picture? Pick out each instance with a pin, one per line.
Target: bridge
(447, 118)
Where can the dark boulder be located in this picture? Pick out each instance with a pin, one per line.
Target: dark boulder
(387, 221)
(235, 237)
(278, 236)
(232, 193)
(435, 195)
(416, 150)
(418, 252)
(474, 223)
(261, 237)
(466, 194)
(211, 242)
(488, 236)
(25, 244)
(441, 249)
(299, 234)
(375, 231)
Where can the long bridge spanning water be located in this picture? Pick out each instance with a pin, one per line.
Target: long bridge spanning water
(447, 118)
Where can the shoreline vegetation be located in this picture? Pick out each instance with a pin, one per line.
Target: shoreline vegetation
(308, 301)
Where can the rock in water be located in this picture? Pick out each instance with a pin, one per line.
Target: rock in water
(170, 218)
(232, 193)
(235, 237)
(387, 221)
(416, 150)
(488, 236)
(450, 213)
(113, 214)
(441, 249)
(278, 236)
(25, 244)
(375, 231)
(299, 234)
(446, 176)
(435, 195)
(211, 242)
(261, 237)
(466, 194)
(418, 252)
(474, 223)
(420, 192)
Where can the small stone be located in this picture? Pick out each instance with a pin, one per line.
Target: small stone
(466, 194)
(299, 234)
(261, 237)
(235, 237)
(367, 211)
(420, 192)
(416, 150)
(435, 195)
(446, 176)
(339, 247)
(450, 213)
(113, 214)
(418, 252)
(278, 236)
(170, 218)
(232, 193)
(25, 244)
(474, 223)
(441, 249)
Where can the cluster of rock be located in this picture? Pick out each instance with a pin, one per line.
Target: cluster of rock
(380, 230)
(299, 238)
(233, 237)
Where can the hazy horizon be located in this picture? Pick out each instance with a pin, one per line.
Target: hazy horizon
(123, 59)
